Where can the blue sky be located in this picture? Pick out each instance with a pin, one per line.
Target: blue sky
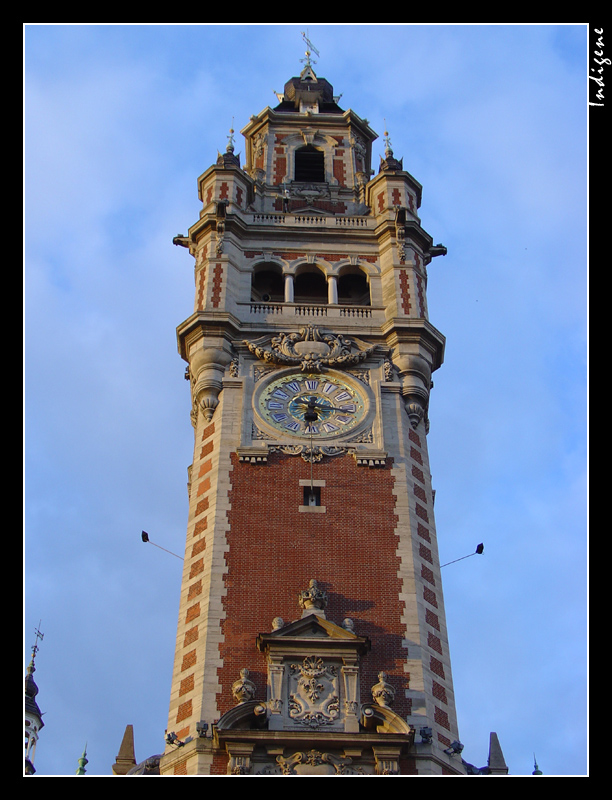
(120, 121)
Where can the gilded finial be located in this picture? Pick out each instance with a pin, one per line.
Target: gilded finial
(388, 150)
(230, 143)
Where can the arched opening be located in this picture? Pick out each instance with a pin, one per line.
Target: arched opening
(309, 165)
(353, 289)
(267, 286)
(310, 286)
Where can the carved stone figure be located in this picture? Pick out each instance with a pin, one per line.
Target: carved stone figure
(243, 689)
(382, 692)
(313, 599)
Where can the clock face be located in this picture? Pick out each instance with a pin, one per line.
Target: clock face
(317, 406)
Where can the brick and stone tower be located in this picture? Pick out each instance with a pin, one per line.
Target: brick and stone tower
(311, 635)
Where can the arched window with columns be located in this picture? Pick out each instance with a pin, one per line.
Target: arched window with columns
(310, 285)
(353, 287)
(267, 284)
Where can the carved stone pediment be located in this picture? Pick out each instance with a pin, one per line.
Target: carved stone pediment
(313, 675)
(311, 348)
(312, 626)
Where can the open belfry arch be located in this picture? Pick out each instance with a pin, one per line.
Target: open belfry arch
(312, 633)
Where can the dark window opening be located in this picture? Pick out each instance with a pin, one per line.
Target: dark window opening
(309, 165)
(312, 495)
(267, 287)
(353, 289)
(310, 287)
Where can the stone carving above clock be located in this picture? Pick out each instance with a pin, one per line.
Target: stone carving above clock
(312, 349)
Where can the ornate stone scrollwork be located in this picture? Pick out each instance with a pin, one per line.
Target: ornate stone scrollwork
(314, 701)
(308, 192)
(308, 454)
(206, 369)
(314, 762)
(415, 377)
(415, 410)
(389, 370)
(311, 348)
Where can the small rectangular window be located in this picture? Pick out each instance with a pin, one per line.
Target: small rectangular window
(312, 495)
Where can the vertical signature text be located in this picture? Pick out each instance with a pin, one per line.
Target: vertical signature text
(598, 70)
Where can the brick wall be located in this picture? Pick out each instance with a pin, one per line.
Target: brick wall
(274, 550)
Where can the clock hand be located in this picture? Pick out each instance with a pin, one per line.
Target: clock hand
(325, 407)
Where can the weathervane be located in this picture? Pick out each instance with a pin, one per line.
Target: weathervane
(40, 636)
(388, 150)
(311, 49)
(230, 144)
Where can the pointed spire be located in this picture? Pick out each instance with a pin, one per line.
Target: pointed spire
(33, 715)
(536, 769)
(82, 762)
(126, 758)
(497, 763)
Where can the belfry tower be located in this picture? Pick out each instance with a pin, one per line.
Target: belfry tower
(312, 634)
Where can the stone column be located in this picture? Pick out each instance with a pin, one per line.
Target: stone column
(288, 288)
(332, 290)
